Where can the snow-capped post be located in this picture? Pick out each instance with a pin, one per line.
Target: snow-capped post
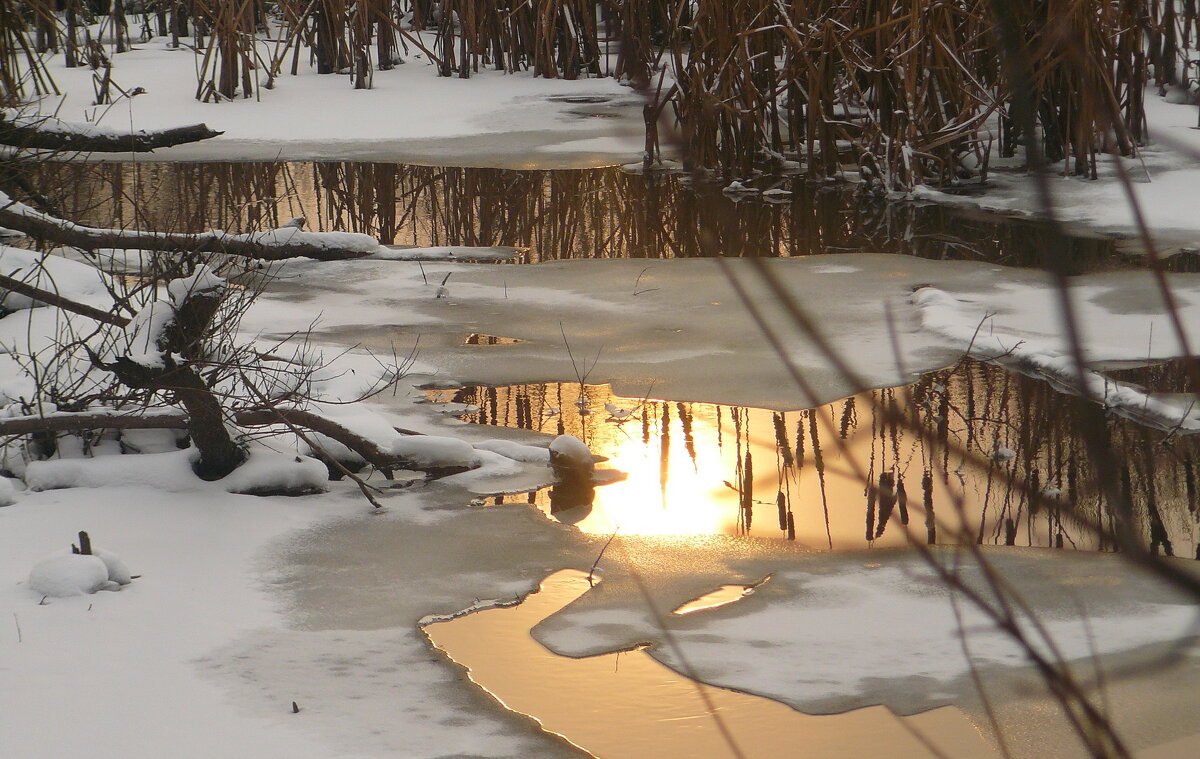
(574, 470)
(158, 352)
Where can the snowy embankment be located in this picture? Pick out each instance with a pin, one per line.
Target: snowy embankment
(410, 114)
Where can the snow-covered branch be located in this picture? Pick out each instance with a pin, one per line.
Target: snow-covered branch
(272, 245)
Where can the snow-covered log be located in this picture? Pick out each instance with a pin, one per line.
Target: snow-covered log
(36, 132)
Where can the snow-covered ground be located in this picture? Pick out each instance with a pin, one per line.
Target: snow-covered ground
(410, 114)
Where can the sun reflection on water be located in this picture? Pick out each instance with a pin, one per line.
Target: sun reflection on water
(701, 469)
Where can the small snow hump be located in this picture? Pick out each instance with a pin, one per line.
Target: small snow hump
(70, 574)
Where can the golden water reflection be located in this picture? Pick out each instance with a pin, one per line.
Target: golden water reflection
(696, 468)
(628, 705)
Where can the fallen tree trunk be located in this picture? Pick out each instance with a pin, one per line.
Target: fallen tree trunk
(49, 133)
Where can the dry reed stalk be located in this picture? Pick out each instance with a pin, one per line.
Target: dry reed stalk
(22, 71)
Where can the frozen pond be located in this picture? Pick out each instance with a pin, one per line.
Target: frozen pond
(614, 323)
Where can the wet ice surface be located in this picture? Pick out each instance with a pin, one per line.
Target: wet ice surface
(676, 329)
(830, 632)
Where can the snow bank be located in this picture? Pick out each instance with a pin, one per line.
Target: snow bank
(435, 451)
(491, 119)
(1163, 178)
(263, 472)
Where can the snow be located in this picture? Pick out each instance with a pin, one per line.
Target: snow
(64, 575)
(997, 327)
(435, 451)
(410, 114)
(141, 339)
(8, 492)
(117, 571)
(843, 631)
(570, 452)
(171, 472)
(202, 280)
(676, 341)
(516, 451)
(46, 123)
(59, 275)
(249, 603)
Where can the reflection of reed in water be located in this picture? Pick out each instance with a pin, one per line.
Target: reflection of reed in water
(1037, 464)
(595, 213)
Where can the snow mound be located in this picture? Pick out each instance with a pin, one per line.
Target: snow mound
(270, 473)
(571, 459)
(117, 571)
(529, 454)
(8, 493)
(435, 451)
(201, 280)
(65, 575)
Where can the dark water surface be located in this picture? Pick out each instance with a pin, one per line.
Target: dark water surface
(591, 213)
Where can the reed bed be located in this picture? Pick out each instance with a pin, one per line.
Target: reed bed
(905, 92)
